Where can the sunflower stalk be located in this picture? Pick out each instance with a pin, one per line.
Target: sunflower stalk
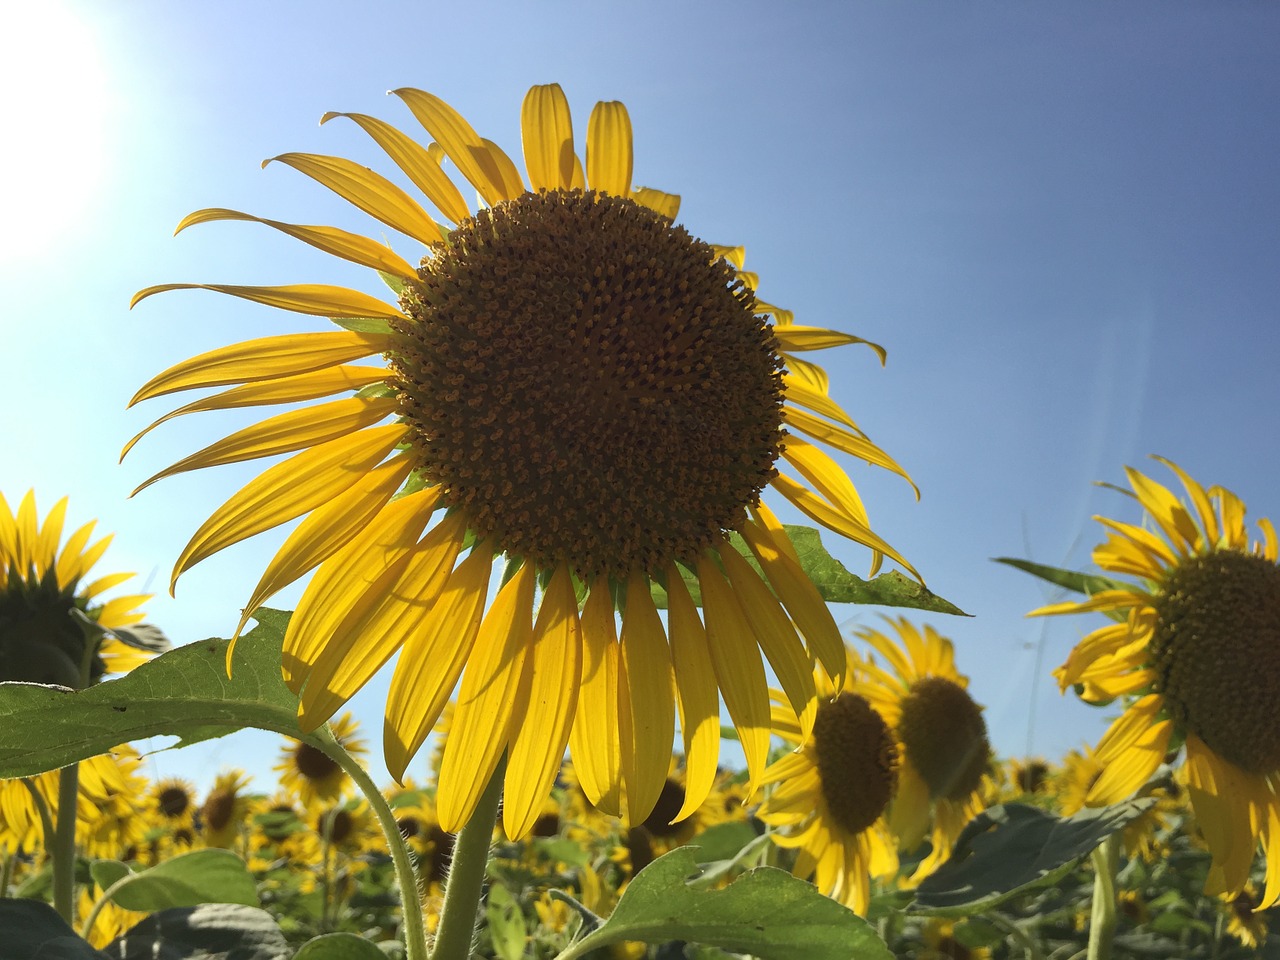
(1102, 922)
(465, 885)
(415, 933)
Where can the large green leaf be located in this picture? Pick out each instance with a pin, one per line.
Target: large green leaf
(339, 946)
(766, 913)
(201, 876)
(211, 931)
(1009, 849)
(1086, 583)
(185, 692)
(834, 582)
(33, 929)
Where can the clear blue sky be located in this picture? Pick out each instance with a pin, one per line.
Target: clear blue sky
(1062, 220)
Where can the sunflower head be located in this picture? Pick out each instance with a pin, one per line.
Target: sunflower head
(571, 382)
(53, 627)
(310, 774)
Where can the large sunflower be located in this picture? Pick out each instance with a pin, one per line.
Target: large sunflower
(941, 734)
(832, 794)
(576, 385)
(1195, 646)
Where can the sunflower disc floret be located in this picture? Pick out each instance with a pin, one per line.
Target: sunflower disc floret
(857, 761)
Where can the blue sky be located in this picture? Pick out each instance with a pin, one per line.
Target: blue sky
(1062, 221)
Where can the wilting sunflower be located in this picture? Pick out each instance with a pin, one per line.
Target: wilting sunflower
(1195, 644)
(46, 603)
(941, 737)
(831, 795)
(572, 383)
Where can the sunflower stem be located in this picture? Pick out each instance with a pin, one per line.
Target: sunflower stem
(1102, 923)
(466, 875)
(42, 808)
(64, 843)
(415, 931)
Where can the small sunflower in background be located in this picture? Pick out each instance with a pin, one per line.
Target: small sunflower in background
(1245, 922)
(1081, 769)
(571, 383)
(831, 796)
(225, 809)
(1194, 644)
(942, 744)
(1028, 777)
(308, 773)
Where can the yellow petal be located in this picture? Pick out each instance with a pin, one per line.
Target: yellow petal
(46, 549)
(792, 337)
(70, 562)
(699, 698)
(552, 672)
(103, 584)
(810, 374)
(460, 142)
(432, 660)
(339, 243)
(825, 476)
(416, 162)
(266, 358)
(307, 427)
(327, 529)
(609, 149)
(369, 191)
(27, 523)
(313, 299)
(739, 672)
(512, 185)
(650, 685)
(288, 490)
(1208, 519)
(776, 635)
(388, 612)
(594, 740)
(765, 517)
(667, 204)
(343, 579)
(845, 440)
(546, 128)
(799, 391)
(481, 718)
(305, 386)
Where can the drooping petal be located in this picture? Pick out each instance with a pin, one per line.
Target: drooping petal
(594, 741)
(609, 155)
(432, 659)
(459, 141)
(479, 732)
(799, 391)
(552, 671)
(647, 659)
(792, 337)
(368, 191)
(699, 698)
(842, 439)
(267, 358)
(313, 299)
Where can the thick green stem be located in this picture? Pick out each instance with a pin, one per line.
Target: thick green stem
(64, 843)
(415, 931)
(1102, 923)
(466, 875)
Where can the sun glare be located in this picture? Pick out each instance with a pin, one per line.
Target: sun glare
(55, 123)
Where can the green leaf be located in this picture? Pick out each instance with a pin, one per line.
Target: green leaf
(185, 693)
(835, 583)
(1086, 583)
(187, 880)
(723, 841)
(506, 926)
(33, 929)
(107, 872)
(363, 324)
(211, 931)
(766, 912)
(1009, 849)
(339, 946)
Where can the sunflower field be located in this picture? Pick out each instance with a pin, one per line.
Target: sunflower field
(534, 471)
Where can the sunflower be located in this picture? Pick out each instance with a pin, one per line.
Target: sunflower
(309, 774)
(572, 383)
(225, 809)
(1194, 646)
(46, 605)
(831, 795)
(941, 736)
(1081, 769)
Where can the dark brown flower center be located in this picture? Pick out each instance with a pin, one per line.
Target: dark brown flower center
(670, 800)
(337, 825)
(589, 383)
(1216, 654)
(857, 761)
(1031, 778)
(313, 764)
(173, 801)
(218, 809)
(944, 737)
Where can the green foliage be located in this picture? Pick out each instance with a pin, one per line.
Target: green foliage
(339, 946)
(1086, 583)
(834, 582)
(189, 879)
(186, 693)
(1010, 849)
(765, 912)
